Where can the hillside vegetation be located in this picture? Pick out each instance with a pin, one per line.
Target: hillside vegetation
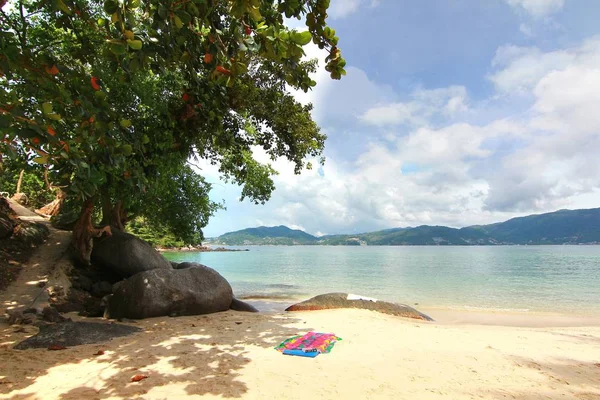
(560, 227)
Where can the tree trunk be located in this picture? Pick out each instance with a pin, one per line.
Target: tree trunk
(20, 181)
(106, 210)
(119, 216)
(113, 215)
(53, 208)
(84, 232)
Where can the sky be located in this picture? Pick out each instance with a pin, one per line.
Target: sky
(452, 113)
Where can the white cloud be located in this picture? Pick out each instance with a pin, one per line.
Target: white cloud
(537, 8)
(526, 30)
(558, 163)
(424, 161)
(343, 8)
(521, 68)
(423, 105)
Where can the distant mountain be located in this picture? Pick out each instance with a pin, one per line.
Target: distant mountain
(276, 235)
(560, 227)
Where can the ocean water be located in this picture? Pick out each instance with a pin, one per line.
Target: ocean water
(564, 279)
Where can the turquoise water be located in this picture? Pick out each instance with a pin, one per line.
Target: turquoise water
(525, 278)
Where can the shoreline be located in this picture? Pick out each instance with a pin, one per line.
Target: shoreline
(200, 249)
(450, 316)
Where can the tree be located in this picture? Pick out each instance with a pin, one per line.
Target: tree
(115, 96)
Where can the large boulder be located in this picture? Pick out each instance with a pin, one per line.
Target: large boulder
(187, 264)
(191, 291)
(344, 300)
(126, 255)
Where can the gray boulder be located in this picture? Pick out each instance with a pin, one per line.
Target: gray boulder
(101, 289)
(173, 292)
(126, 255)
(340, 300)
(239, 305)
(187, 264)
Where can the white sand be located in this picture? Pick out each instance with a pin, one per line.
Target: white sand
(381, 357)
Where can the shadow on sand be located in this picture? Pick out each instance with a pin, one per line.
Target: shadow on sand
(192, 355)
(566, 379)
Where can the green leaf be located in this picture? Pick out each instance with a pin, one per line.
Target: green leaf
(135, 44)
(127, 149)
(60, 4)
(301, 38)
(125, 123)
(47, 108)
(178, 22)
(41, 160)
(111, 7)
(101, 95)
(184, 16)
(118, 48)
(328, 32)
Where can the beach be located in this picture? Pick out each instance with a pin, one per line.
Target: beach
(231, 355)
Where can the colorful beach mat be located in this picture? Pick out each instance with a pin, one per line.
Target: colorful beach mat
(311, 342)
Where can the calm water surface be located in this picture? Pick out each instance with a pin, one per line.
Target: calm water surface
(526, 278)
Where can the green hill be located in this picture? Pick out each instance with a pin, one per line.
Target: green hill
(263, 235)
(560, 227)
(564, 226)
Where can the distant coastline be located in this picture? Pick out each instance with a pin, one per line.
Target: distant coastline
(563, 227)
(196, 249)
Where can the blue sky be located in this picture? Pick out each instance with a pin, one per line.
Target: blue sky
(453, 113)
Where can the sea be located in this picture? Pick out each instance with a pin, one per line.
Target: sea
(557, 279)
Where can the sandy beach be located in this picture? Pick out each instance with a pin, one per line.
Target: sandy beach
(231, 355)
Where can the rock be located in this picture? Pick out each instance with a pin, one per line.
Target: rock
(56, 292)
(93, 307)
(239, 305)
(85, 283)
(31, 233)
(174, 264)
(101, 289)
(20, 198)
(18, 317)
(126, 255)
(6, 226)
(64, 221)
(50, 314)
(116, 285)
(162, 292)
(72, 333)
(74, 301)
(339, 300)
(186, 264)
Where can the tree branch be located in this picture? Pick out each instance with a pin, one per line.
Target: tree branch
(24, 26)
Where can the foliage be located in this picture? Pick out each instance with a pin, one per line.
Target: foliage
(277, 235)
(157, 237)
(177, 205)
(107, 92)
(33, 184)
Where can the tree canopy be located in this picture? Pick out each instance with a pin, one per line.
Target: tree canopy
(115, 96)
